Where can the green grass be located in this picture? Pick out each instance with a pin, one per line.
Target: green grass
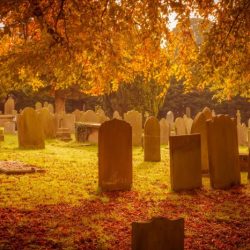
(72, 175)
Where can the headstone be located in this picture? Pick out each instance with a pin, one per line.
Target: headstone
(66, 121)
(223, 152)
(188, 112)
(101, 115)
(116, 115)
(9, 106)
(208, 113)
(63, 134)
(238, 117)
(9, 127)
(180, 127)
(152, 149)
(134, 118)
(188, 124)
(170, 119)
(45, 104)
(48, 122)
(164, 131)
(30, 131)
(199, 126)
(158, 234)
(185, 162)
(213, 113)
(242, 134)
(51, 108)
(78, 115)
(115, 155)
(90, 116)
(38, 105)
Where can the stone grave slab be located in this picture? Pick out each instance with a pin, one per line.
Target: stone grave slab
(158, 234)
(16, 167)
(115, 156)
(185, 162)
(223, 152)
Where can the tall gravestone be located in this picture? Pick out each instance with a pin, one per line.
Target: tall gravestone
(30, 130)
(158, 234)
(9, 106)
(223, 152)
(134, 118)
(188, 112)
(164, 131)
(115, 156)
(101, 115)
(199, 126)
(185, 162)
(152, 149)
(170, 119)
(51, 108)
(180, 127)
(48, 122)
(90, 116)
(188, 124)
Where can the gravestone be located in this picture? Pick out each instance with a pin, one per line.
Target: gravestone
(188, 124)
(180, 127)
(78, 115)
(38, 105)
(48, 122)
(242, 132)
(152, 149)
(66, 121)
(185, 162)
(213, 113)
(116, 115)
(199, 126)
(188, 112)
(9, 127)
(9, 106)
(30, 131)
(134, 118)
(45, 104)
(90, 116)
(208, 113)
(51, 108)
(158, 234)
(170, 119)
(115, 156)
(101, 115)
(164, 131)
(223, 152)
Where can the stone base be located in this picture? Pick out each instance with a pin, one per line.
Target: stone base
(63, 134)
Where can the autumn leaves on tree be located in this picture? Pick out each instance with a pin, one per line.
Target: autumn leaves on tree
(97, 45)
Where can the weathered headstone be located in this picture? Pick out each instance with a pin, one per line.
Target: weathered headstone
(45, 104)
(242, 131)
(188, 124)
(9, 127)
(164, 131)
(66, 121)
(9, 106)
(38, 105)
(134, 118)
(180, 127)
(30, 131)
(188, 112)
(152, 149)
(116, 115)
(51, 108)
(90, 116)
(213, 113)
(77, 114)
(199, 126)
(208, 113)
(223, 152)
(158, 234)
(185, 162)
(170, 119)
(101, 115)
(115, 155)
(48, 122)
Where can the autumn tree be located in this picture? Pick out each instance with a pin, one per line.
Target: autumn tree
(96, 45)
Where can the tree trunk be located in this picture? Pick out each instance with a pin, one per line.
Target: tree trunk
(60, 101)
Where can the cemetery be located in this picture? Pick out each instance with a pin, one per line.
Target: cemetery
(124, 125)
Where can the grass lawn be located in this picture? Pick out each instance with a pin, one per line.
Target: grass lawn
(63, 209)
